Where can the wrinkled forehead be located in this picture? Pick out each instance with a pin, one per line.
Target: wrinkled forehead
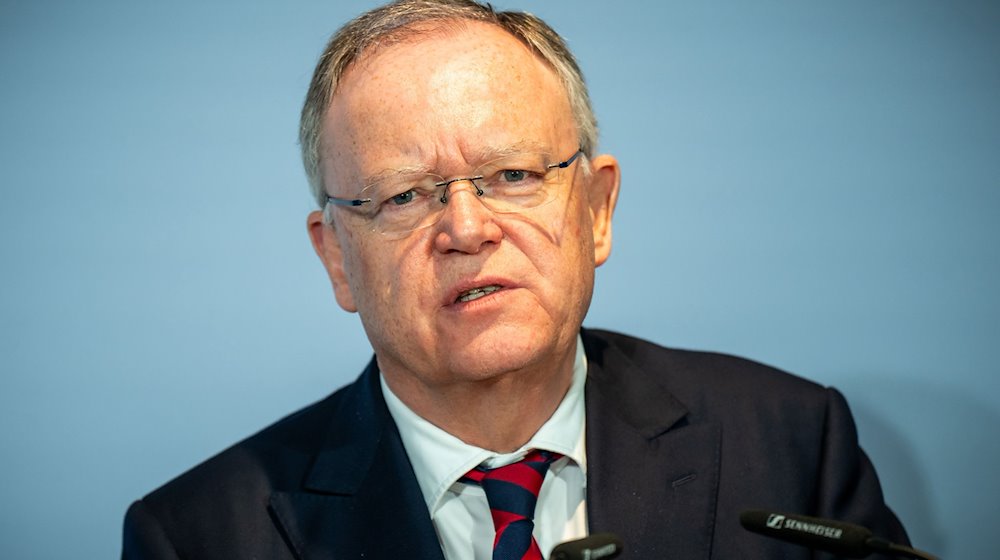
(447, 92)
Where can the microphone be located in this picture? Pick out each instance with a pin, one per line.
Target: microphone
(837, 537)
(595, 547)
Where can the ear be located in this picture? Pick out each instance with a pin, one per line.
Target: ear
(326, 243)
(605, 177)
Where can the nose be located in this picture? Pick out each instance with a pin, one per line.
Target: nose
(467, 225)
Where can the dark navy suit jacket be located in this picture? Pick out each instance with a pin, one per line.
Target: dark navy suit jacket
(678, 444)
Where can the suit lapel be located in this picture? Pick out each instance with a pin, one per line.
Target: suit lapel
(360, 498)
(652, 471)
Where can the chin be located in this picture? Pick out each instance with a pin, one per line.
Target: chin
(496, 353)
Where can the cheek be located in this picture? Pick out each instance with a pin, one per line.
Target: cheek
(583, 232)
(560, 248)
(364, 272)
(576, 255)
(387, 277)
(575, 237)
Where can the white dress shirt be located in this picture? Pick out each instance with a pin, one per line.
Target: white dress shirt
(459, 510)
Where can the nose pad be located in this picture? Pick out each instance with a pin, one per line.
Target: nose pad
(447, 187)
(468, 224)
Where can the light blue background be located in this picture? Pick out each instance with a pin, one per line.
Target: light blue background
(812, 184)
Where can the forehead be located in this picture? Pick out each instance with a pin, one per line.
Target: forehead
(446, 94)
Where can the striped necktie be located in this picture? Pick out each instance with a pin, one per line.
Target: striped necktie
(512, 491)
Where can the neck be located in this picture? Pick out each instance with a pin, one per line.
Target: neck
(500, 412)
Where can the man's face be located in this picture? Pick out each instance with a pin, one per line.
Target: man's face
(449, 101)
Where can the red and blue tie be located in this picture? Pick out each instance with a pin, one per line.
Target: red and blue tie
(512, 491)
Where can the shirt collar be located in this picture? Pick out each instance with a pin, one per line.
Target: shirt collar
(439, 459)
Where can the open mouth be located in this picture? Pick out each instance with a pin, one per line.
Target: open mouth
(476, 293)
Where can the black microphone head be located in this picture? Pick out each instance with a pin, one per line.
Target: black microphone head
(844, 539)
(599, 546)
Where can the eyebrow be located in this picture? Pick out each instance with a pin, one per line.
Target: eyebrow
(522, 147)
(483, 156)
(379, 176)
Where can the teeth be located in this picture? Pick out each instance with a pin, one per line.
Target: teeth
(477, 293)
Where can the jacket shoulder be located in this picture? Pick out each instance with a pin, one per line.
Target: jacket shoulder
(699, 377)
(221, 505)
(273, 455)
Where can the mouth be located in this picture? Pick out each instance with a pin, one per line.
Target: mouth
(476, 293)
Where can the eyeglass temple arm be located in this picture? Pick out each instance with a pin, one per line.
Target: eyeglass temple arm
(347, 201)
(567, 163)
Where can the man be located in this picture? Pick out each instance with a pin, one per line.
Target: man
(463, 212)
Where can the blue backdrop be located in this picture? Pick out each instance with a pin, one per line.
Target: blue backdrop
(811, 184)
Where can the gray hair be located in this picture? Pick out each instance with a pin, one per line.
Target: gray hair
(395, 22)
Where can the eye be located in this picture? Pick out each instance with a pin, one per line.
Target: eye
(514, 175)
(403, 198)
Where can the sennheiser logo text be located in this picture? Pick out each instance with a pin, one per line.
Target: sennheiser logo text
(813, 528)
